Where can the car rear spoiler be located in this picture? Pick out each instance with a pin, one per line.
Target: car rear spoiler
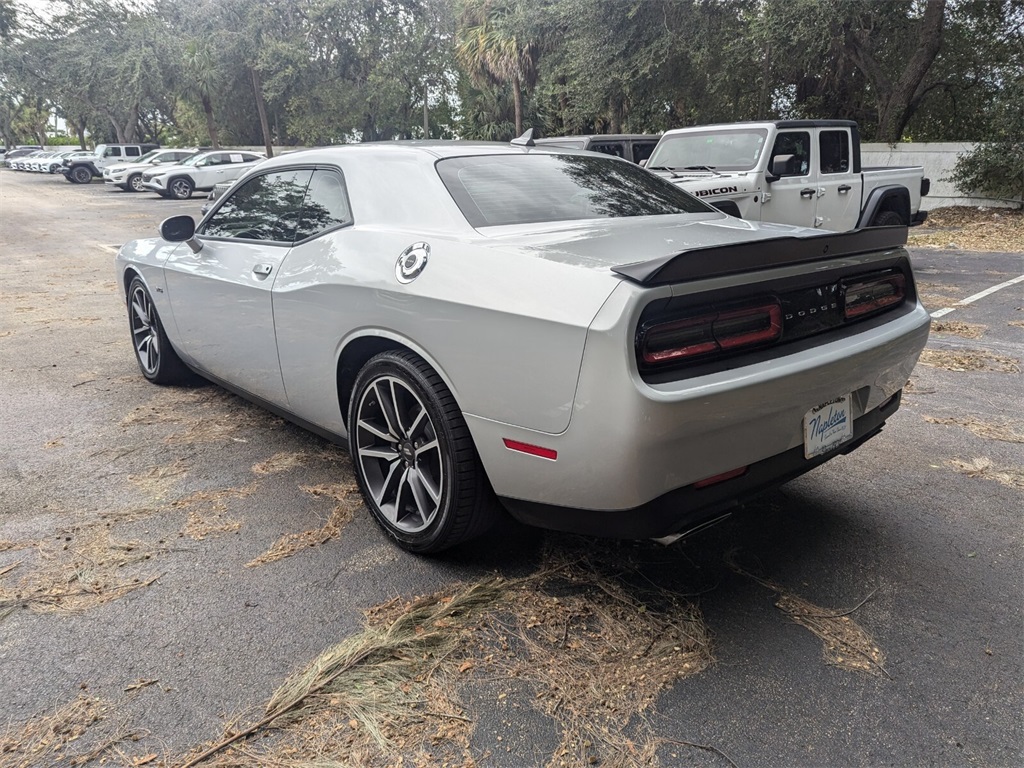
(718, 260)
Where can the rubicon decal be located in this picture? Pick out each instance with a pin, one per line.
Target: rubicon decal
(715, 191)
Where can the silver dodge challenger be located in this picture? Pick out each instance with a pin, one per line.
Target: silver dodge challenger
(561, 330)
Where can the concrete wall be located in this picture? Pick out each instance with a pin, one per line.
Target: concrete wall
(938, 159)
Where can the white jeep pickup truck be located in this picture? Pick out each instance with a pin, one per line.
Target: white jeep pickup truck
(803, 172)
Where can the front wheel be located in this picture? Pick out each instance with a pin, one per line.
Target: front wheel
(157, 359)
(81, 175)
(180, 189)
(135, 183)
(415, 461)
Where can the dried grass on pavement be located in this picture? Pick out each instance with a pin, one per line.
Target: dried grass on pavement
(971, 229)
(845, 643)
(962, 360)
(1006, 431)
(348, 500)
(595, 648)
(959, 328)
(1012, 477)
(76, 570)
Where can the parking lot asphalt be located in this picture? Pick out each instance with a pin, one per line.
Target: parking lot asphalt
(169, 556)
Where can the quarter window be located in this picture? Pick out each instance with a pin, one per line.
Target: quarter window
(265, 208)
(326, 205)
(834, 148)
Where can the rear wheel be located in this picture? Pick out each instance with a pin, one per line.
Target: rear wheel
(157, 359)
(888, 219)
(415, 461)
(180, 188)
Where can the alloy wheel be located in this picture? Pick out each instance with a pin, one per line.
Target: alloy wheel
(144, 331)
(399, 454)
(181, 189)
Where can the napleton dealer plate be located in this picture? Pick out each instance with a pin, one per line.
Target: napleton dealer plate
(827, 426)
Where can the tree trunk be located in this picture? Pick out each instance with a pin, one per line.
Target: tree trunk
(118, 131)
(211, 126)
(261, 107)
(426, 113)
(517, 97)
(898, 100)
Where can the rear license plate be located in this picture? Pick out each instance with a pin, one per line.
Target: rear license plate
(827, 426)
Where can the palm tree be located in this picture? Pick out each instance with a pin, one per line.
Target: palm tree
(201, 70)
(494, 51)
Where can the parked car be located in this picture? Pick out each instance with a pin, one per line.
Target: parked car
(18, 158)
(128, 176)
(12, 155)
(635, 147)
(214, 195)
(606, 352)
(199, 172)
(82, 170)
(802, 172)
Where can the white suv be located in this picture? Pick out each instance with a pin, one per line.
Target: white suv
(200, 172)
(128, 176)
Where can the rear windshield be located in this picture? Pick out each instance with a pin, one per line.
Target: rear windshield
(494, 190)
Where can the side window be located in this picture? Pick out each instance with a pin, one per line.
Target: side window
(112, 152)
(132, 152)
(608, 148)
(266, 208)
(796, 147)
(642, 150)
(834, 150)
(326, 205)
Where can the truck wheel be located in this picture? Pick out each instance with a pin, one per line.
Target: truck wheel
(81, 175)
(888, 219)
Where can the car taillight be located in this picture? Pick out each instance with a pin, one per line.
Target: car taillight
(872, 293)
(720, 331)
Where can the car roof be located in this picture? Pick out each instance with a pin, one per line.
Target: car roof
(602, 137)
(438, 149)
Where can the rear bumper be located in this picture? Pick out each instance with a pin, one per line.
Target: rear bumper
(630, 443)
(686, 509)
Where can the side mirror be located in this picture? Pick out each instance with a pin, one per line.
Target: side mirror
(780, 166)
(181, 229)
(643, 163)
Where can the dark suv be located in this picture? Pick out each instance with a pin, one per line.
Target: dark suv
(630, 146)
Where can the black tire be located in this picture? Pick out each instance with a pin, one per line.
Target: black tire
(888, 219)
(156, 357)
(180, 188)
(80, 175)
(134, 183)
(423, 483)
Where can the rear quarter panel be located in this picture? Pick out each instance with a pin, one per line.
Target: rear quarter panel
(506, 333)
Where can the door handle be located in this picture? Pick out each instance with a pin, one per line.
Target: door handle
(262, 270)
(844, 188)
(807, 192)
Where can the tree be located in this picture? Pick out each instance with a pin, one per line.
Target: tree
(995, 167)
(200, 69)
(493, 48)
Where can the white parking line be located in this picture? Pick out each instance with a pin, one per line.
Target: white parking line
(975, 297)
